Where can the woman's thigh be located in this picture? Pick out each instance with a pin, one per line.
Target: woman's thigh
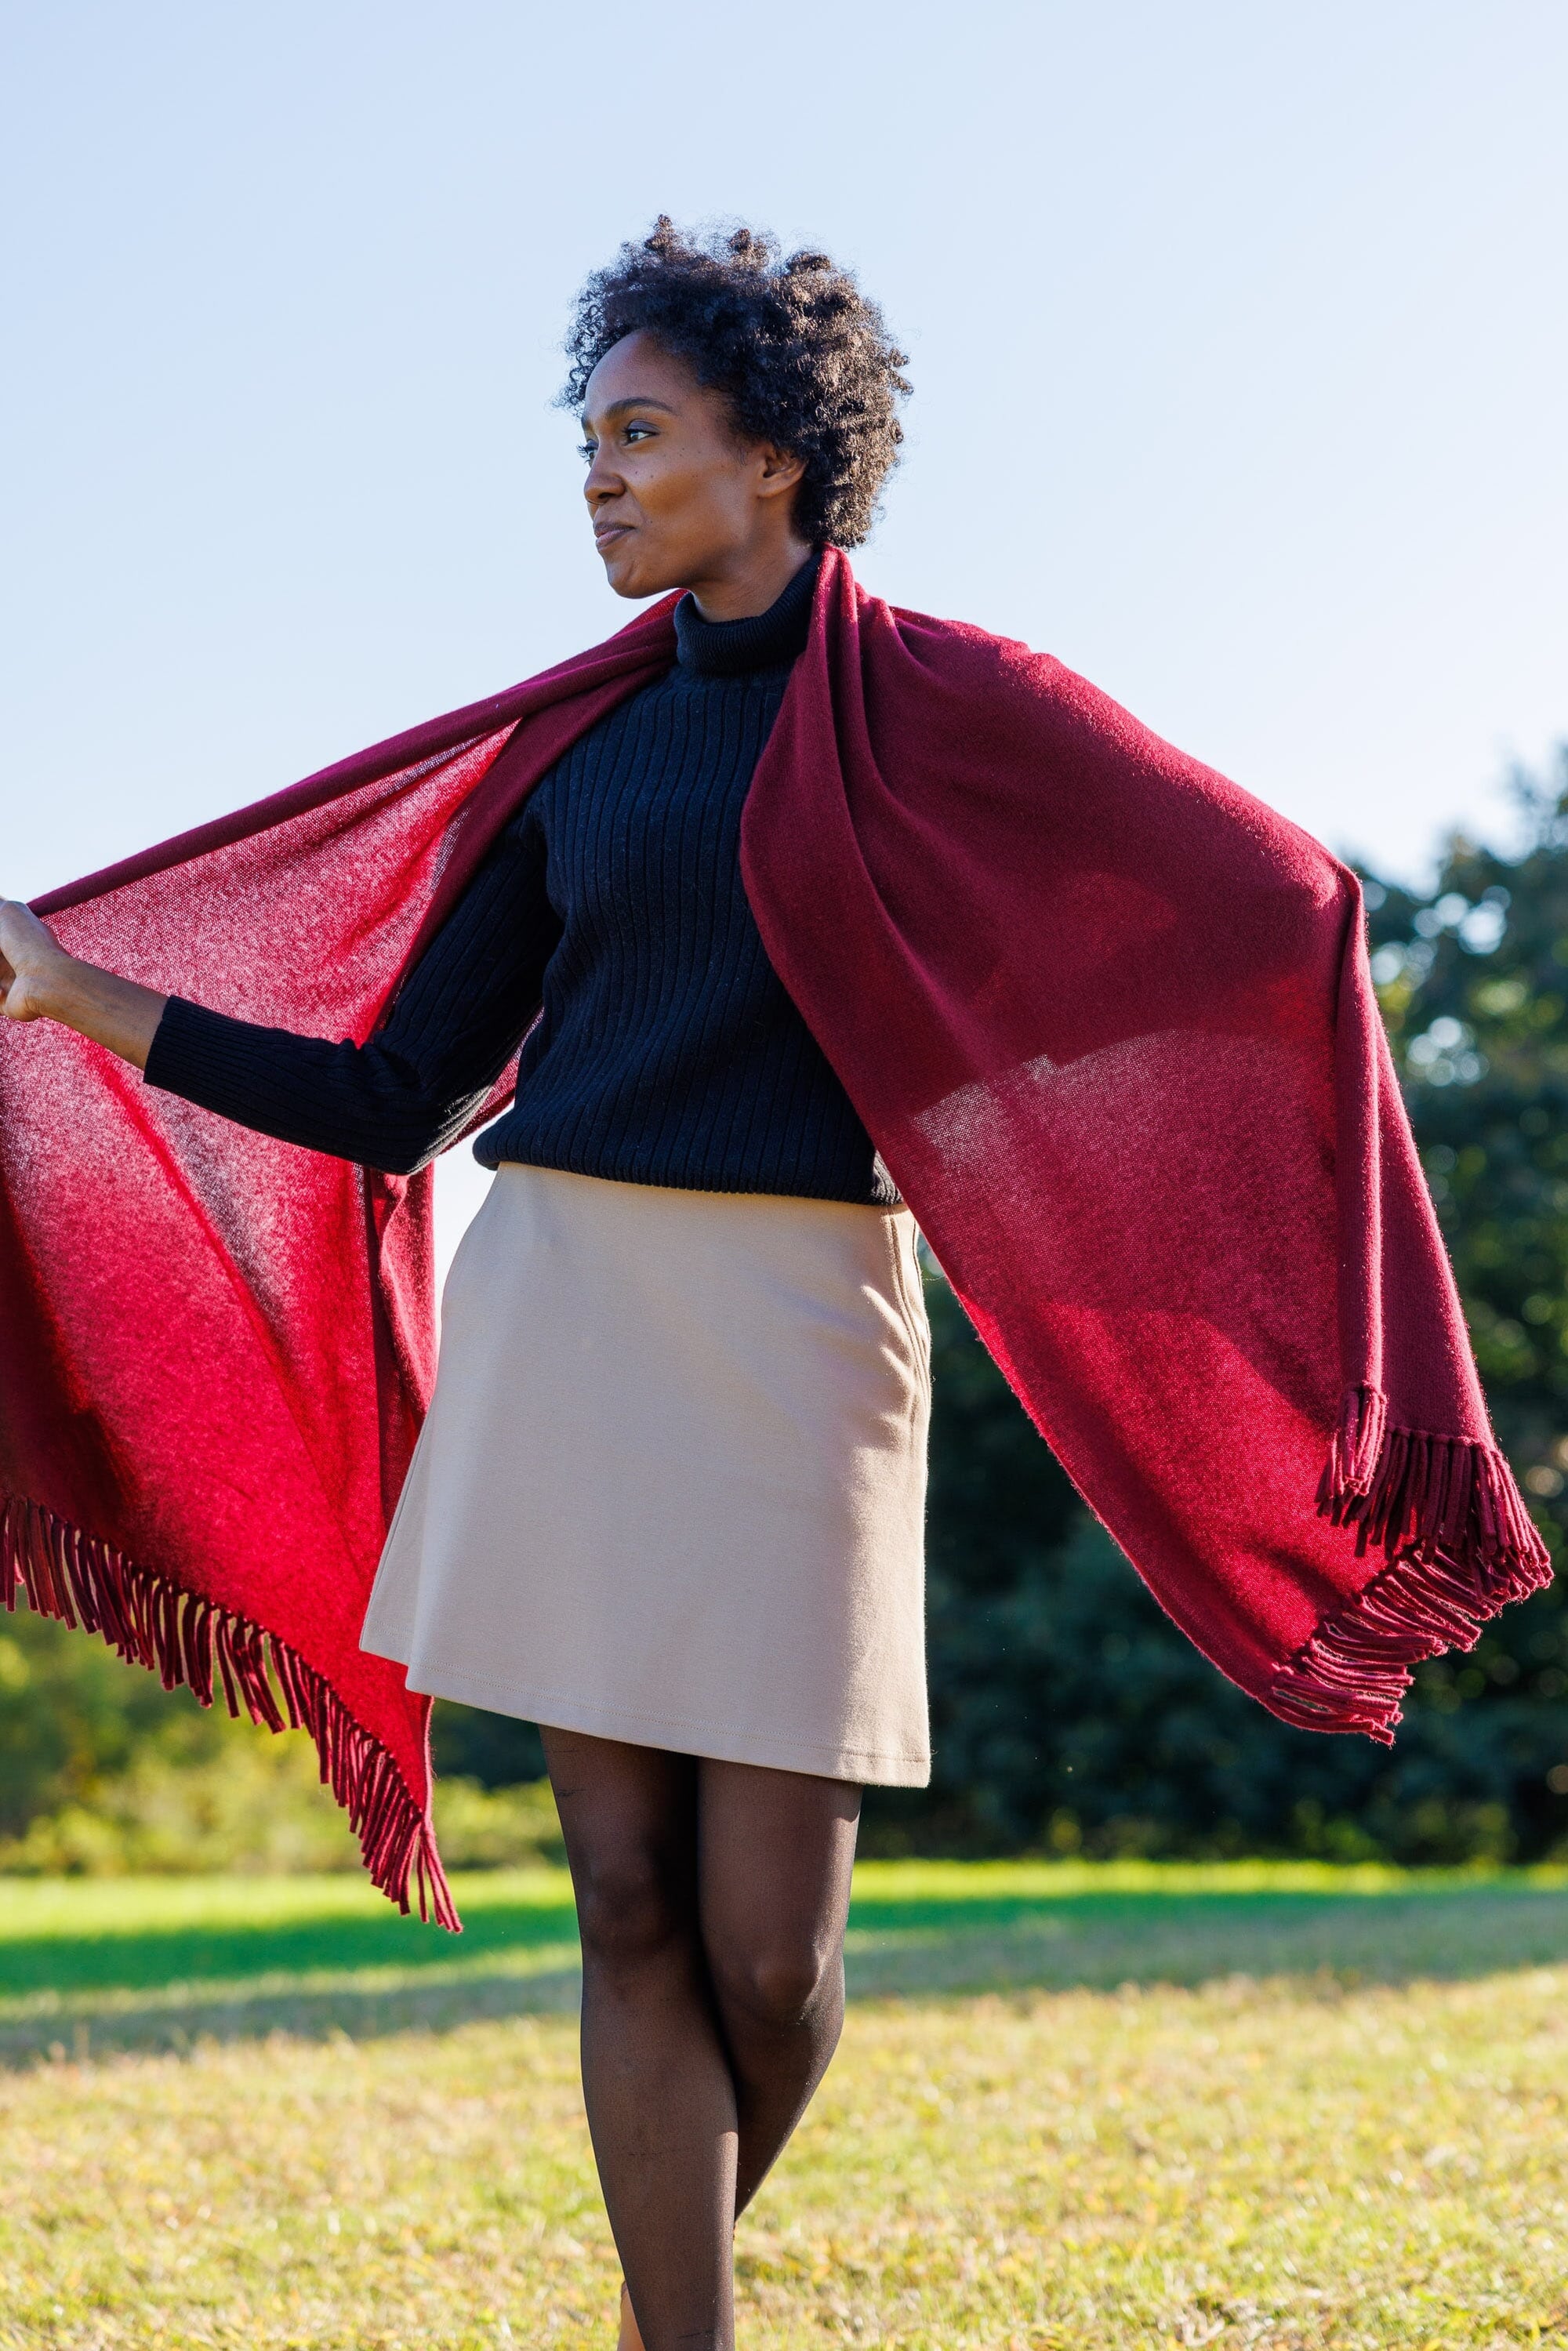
(629, 1816)
(758, 1860)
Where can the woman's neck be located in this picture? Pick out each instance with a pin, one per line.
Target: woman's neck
(757, 583)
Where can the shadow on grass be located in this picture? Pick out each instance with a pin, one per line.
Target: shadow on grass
(1098, 1942)
(77, 1996)
(80, 2029)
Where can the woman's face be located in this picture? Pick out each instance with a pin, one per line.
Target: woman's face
(676, 498)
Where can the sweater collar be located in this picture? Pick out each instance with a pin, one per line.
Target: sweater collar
(762, 640)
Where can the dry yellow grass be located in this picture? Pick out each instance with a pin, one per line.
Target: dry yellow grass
(1268, 2165)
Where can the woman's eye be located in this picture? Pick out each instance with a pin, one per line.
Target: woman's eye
(588, 451)
(638, 431)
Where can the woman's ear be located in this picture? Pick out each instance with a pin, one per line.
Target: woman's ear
(782, 469)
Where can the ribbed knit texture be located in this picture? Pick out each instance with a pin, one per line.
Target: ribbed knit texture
(665, 1050)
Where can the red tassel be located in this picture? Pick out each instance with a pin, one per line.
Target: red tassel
(1356, 1445)
(183, 1637)
(1459, 1545)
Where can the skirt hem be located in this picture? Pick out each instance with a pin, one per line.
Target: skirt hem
(721, 1744)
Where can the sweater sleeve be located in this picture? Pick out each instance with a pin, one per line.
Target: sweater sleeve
(397, 1101)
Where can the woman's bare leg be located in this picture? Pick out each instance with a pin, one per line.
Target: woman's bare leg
(710, 1900)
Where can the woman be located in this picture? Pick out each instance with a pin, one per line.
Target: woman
(689, 1216)
(822, 908)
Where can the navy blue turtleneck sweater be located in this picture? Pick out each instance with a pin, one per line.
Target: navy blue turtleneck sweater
(665, 1048)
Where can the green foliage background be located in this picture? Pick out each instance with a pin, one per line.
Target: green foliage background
(1069, 1714)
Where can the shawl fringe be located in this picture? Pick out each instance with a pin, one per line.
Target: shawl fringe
(1459, 1546)
(181, 1637)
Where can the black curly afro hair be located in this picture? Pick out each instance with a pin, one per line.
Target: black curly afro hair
(802, 356)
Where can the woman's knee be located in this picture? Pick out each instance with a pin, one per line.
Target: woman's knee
(775, 1979)
(631, 1909)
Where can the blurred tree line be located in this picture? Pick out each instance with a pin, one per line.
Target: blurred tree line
(1069, 1714)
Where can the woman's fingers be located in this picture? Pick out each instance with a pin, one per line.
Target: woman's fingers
(27, 949)
(19, 995)
(23, 937)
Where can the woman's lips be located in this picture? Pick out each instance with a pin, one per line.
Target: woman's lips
(606, 534)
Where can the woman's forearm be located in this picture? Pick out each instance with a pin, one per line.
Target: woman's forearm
(112, 1011)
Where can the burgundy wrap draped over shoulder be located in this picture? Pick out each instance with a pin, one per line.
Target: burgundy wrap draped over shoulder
(1109, 1021)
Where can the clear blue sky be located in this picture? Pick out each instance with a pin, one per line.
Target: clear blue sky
(1238, 333)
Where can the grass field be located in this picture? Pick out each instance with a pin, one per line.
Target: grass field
(1248, 2106)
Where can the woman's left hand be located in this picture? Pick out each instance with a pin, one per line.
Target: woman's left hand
(30, 958)
(38, 980)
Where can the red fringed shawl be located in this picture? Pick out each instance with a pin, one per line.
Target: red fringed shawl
(1109, 1021)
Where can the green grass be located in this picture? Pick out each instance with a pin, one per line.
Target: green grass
(1270, 2108)
(112, 1964)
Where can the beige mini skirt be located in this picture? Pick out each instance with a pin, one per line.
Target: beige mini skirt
(672, 1487)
